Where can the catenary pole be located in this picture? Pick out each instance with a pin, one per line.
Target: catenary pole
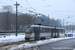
(48, 19)
(16, 15)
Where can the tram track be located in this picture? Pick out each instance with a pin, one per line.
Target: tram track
(6, 46)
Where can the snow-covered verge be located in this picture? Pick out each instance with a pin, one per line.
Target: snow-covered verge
(12, 38)
(38, 43)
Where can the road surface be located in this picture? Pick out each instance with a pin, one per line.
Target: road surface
(59, 45)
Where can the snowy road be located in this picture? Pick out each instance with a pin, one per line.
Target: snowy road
(9, 45)
(59, 45)
(6, 46)
(67, 44)
(11, 41)
(38, 43)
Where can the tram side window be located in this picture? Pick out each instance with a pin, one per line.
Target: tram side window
(61, 31)
(42, 30)
(45, 30)
(49, 30)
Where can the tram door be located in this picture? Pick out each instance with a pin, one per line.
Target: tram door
(57, 32)
(36, 32)
(54, 33)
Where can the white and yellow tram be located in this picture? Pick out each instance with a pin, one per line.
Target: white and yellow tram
(37, 32)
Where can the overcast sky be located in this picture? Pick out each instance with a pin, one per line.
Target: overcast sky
(57, 9)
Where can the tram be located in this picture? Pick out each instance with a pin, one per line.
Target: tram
(38, 32)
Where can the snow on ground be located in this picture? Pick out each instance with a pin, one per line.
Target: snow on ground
(12, 38)
(20, 37)
(41, 42)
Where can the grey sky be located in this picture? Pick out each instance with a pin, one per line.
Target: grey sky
(57, 9)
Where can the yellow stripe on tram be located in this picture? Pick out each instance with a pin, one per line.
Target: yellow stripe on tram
(67, 35)
(71, 35)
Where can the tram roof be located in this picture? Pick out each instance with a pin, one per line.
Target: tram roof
(41, 26)
(45, 26)
(59, 28)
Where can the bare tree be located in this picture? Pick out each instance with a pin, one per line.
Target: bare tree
(7, 8)
(7, 12)
(25, 19)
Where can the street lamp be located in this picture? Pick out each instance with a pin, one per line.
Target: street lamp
(71, 26)
(64, 21)
(67, 26)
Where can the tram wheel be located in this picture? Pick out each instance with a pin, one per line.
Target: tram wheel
(55, 36)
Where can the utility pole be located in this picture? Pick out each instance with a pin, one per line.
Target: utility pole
(16, 15)
(67, 26)
(48, 20)
(72, 27)
(63, 23)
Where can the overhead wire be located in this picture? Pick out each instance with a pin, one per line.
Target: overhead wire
(2, 5)
(12, 1)
(30, 5)
(32, 8)
(23, 7)
(54, 4)
(26, 8)
(20, 5)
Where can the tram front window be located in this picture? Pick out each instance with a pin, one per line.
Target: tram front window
(28, 30)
